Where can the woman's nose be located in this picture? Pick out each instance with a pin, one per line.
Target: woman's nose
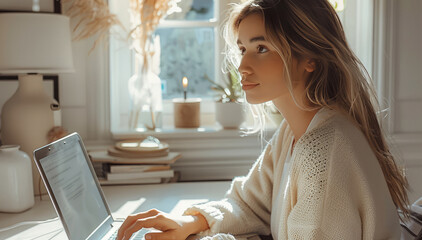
(244, 67)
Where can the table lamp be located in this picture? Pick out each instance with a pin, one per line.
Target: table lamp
(32, 44)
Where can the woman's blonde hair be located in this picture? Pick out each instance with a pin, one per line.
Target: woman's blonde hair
(312, 29)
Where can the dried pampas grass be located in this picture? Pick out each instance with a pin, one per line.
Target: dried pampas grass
(94, 18)
(145, 16)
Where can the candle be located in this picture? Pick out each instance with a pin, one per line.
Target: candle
(185, 86)
(187, 112)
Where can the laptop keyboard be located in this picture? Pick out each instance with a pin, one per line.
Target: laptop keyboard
(139, 235)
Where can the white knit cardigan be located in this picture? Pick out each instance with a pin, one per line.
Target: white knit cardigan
(335, 189)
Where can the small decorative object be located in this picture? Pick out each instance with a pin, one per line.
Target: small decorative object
(229, 112)
(148, 144)
(30, 113)
(113, 151)
(139, 148)
(56, 133)
(186, 110)
(16, 189)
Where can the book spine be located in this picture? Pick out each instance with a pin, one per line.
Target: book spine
(121, 176)
(100, 169)
(102, 156)
(130, 181)
(137, 168)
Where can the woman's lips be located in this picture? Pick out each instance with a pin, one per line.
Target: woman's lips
(248, 85)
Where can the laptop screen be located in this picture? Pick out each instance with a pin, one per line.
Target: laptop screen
(74, 188)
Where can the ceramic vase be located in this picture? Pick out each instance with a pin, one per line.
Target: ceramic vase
(16, 191)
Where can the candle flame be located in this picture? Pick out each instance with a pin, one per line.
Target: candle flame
(185, 82)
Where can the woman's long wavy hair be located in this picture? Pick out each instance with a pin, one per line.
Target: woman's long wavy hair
(312, 29)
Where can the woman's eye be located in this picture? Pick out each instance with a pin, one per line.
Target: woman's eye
(242, 51)
(262, 49)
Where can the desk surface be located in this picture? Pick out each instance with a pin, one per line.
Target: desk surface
(122, 201)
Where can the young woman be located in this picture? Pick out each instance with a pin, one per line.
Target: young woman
(327, 173)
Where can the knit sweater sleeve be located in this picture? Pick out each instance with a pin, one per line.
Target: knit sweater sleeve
(246, 207)
(325, 206)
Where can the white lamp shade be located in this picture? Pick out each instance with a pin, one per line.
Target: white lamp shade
(35, 43)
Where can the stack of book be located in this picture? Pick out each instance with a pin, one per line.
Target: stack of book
(135, 162)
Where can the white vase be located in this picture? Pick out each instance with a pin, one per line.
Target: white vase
(229, 115)
(16, 191)
(147, 107)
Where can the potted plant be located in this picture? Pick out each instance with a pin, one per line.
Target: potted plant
(229, 112)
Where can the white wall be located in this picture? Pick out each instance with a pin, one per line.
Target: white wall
(83, 94)
(407, 90)
(408, 85)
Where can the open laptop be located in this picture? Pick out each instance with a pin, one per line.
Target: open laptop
(74, 189)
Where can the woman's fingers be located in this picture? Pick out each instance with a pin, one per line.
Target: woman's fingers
(132, 219)
(169, 235)
(171, 227)
(159, 222)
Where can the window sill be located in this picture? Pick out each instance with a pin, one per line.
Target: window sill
(208, 153)
(185, 133)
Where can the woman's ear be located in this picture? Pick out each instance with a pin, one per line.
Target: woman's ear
(310, 65)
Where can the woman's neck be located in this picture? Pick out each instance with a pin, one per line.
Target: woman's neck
(297, 118)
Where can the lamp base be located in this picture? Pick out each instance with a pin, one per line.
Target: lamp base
(26, 119)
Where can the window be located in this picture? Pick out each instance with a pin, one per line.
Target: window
(188, 48)
(189, 42)
(186, 52)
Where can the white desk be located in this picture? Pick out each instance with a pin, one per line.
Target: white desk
(122, 200)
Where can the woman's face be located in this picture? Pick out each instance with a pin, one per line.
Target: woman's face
(261, 67)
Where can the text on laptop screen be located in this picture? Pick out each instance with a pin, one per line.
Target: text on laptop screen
(75, 190)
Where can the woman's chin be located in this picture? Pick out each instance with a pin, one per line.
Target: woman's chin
(252, 100)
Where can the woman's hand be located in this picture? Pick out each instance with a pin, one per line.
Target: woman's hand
(171, 227)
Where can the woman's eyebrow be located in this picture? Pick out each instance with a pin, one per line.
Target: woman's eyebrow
(254, 39)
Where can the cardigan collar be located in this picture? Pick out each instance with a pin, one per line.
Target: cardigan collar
(320, 117)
